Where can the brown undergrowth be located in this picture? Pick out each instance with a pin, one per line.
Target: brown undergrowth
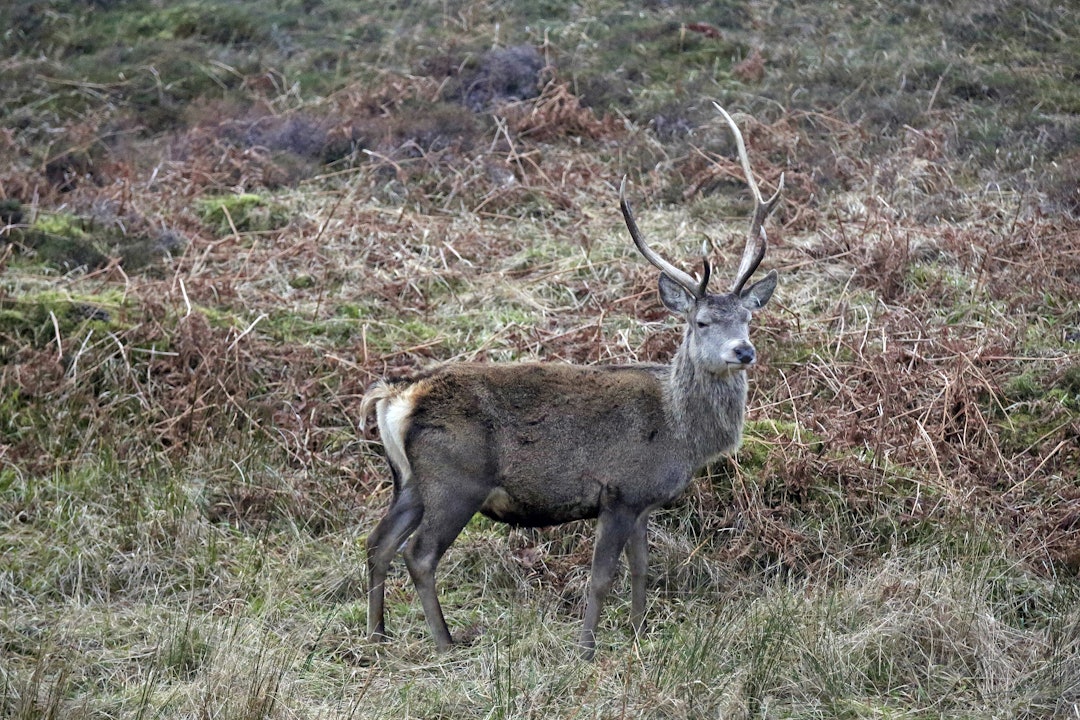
(898, 351)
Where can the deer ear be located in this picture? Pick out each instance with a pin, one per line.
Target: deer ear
(674, 295)
(755, 296)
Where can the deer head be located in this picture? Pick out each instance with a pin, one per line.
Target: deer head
(717, 325)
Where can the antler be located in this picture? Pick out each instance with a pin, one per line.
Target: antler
(685, 280)
(756, 241)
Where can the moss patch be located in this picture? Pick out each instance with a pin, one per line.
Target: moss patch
(245, 212)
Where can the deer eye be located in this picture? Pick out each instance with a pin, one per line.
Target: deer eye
(702, 324)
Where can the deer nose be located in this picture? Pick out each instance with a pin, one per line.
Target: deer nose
(745, 354)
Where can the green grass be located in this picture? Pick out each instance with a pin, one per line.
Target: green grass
(138, 602)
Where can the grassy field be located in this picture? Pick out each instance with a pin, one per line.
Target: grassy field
(220, 221)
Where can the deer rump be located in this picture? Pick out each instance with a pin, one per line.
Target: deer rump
(533, 444)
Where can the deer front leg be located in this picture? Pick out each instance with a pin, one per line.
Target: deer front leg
(637, 555)
(612, 530)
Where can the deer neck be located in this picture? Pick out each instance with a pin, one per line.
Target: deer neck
(706, 409)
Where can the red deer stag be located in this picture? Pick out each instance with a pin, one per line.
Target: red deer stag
(543, 443)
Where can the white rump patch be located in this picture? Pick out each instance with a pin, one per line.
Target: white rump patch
(393, 414)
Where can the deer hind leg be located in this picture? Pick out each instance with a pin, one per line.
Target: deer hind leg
(440, 526)
(613, 528)
(400, 521)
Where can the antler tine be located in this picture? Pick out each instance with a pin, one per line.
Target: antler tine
(756, 239)
(684, 279)
(706, 269)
